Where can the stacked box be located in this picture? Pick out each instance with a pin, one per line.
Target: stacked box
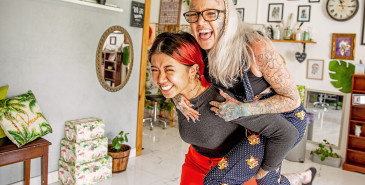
(85, 151)
(83, 158)
(87, 173)
(84, 129)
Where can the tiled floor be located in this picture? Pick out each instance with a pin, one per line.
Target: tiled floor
(163, 155)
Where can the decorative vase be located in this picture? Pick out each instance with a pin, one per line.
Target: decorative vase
(329, 161)
(120, 159)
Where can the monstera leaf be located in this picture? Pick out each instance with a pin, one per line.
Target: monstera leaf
(342, 75)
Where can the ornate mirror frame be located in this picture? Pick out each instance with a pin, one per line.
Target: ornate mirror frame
(99, 59)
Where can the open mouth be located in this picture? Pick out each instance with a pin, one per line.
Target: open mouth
(205, 34)
(166, 88)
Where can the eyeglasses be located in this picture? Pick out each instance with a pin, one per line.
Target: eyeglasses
(208, 15)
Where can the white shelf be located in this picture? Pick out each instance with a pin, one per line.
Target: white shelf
(95, 5)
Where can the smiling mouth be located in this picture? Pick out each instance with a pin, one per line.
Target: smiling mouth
(166, 88)
(205, 34)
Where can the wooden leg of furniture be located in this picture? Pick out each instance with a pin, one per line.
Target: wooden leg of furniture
(45, 166)
(172, 117)
(27, 171)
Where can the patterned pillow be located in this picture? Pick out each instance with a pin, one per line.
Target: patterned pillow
(3, 92)
(22, 119)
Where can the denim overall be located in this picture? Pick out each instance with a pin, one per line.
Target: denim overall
(244, 160)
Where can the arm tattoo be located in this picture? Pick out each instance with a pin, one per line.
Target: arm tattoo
(275, 73)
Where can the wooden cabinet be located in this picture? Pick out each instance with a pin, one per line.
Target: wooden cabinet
(112, 69)
(355, 150)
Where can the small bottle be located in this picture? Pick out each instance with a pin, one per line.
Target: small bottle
(276, 32)
(298, 35)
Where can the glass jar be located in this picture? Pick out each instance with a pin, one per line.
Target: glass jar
(287, 34)
(298, 35)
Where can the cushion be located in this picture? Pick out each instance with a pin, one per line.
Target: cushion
(3, 92)
(22, 119)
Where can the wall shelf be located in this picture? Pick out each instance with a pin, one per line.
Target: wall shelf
(294, 41)
(91, 4)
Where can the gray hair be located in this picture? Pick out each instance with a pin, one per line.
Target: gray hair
(232, 51)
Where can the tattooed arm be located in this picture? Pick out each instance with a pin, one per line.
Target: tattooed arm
(271, 66)
(273, 69)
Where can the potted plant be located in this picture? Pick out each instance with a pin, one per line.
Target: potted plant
(119, 152)
(324, 155)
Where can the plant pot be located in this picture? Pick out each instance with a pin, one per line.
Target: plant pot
(329, 161)
(120, 159)
(101, 2)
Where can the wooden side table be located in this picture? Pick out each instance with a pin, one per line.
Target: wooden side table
(10, 153)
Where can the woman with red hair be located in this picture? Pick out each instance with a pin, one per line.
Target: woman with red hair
(216, 145)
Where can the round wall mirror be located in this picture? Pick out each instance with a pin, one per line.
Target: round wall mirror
(114, 58)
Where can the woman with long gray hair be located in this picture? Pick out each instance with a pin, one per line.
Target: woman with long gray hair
(245, 63)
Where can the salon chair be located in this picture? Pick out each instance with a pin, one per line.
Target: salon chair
(155, 98)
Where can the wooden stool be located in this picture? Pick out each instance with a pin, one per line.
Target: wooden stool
(10, 153)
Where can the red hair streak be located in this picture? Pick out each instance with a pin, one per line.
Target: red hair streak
(190, 54)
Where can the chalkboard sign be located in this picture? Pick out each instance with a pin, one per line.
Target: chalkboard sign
(137, 14)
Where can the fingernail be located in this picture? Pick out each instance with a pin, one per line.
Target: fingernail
(194, 121)
(198, 119)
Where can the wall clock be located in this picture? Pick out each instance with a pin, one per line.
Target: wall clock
(342, 10)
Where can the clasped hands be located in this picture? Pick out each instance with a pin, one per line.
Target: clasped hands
(229, 110)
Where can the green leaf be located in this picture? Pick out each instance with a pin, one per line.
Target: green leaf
(342, 75)
(323, 158)
(126, 53)
(19, 138)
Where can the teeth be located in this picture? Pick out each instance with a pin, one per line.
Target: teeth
(204, 31)
(165, 88)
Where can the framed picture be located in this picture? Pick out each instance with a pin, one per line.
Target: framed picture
(137, 14)
(234, 2)
(358, 99)
(113, 40)
(314, 1)
(275, 13)
(363, 30)
(304, 13)
(241, 12)
(343, 46)
(315, 69)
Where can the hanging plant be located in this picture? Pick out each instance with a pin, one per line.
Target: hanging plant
(341, 74)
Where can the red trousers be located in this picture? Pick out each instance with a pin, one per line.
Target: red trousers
(196, 166)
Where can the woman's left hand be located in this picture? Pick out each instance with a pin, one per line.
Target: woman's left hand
(230, 109)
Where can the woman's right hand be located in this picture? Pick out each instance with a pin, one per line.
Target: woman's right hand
(185, 107)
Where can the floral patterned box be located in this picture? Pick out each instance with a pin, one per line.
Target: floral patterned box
(84, 129)
(87, 173)
(83, 152)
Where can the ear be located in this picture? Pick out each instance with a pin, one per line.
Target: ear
(193, 71)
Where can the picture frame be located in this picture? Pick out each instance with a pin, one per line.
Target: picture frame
(113, 40)
(241, 12)
(315, 68)
(343, 46)
(314, 1)
(358, 99)
(234, 2)
(304, 13)
(363, 30)
(275, 12)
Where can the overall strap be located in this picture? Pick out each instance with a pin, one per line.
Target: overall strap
(249, 95)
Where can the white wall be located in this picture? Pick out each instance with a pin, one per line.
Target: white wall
(49, 47)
